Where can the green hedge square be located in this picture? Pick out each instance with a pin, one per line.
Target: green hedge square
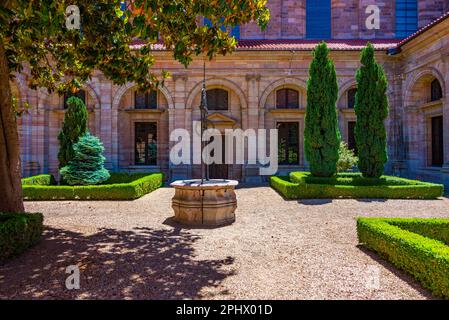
(416, 246)
(302, 185)
(120, 186)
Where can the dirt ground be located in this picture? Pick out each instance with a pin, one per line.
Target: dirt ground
(276, 249)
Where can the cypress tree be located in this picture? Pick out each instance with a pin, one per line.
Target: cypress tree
(74, 126)
(86, 167)
(371, 109)
(321, 133)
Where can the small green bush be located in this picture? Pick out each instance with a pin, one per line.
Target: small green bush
(18, 231)
(346, 158)
(302, 185)
(126, 187)
(87, 165)
(42, 179)
(424, 257)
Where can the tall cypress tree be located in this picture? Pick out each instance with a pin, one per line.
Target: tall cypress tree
(74, 126)
(371, 109)
(321, 134)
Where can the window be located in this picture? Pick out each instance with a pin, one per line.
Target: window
(318, 19)
(233, 31)
(287, 99)
(145, 143)
(406, 17)
(435, 90)
(351, 137)
(288, 143)
(351, 98)
(79, 94)
(437, 142)
(217, 99)
(145, 100)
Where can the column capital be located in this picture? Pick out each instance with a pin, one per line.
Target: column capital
(179, 76)
(252, 77)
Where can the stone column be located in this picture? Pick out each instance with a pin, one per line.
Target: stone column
(445, 168)
(250, 173)
(39, 132)
(178, 118)
(445, 100)
(396, 139)
(106, 122)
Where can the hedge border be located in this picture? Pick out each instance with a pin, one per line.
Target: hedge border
(295, 187)
(18, 232)
(116, 191)
(425, 258)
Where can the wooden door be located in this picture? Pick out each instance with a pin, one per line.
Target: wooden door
(437, 141)
(219, 171)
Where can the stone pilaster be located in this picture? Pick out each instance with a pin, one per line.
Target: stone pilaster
(250, 120)
(177, 116)
(106, 123)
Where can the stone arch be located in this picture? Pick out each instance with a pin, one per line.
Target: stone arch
(123, 89)
(59, 98)
(415, 79)
(419, 112)
(295, 82)
(217, 83)
(93, 94)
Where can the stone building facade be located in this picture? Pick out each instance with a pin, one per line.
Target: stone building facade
(262, 85)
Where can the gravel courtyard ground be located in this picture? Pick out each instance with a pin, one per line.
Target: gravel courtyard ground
(276, 249)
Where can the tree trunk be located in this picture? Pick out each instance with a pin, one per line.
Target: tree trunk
(10, 168)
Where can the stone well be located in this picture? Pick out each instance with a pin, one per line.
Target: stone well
(211, 203)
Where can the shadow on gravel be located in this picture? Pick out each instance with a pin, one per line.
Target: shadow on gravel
(398, 273)
(140, 264)
(314, 202)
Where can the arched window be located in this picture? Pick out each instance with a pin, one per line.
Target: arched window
(79, 94)
(287, 99)
(435, 90)
(217, 99)
(145, 100)
(351, 98)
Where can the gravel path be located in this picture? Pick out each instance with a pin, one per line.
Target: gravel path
(276, 249)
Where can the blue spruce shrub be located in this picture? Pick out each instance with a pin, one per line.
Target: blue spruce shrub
(87, 165)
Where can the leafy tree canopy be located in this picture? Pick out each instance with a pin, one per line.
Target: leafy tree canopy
(34, 32)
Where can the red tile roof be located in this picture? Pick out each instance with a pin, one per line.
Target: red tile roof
(297, 45)
(307, 45)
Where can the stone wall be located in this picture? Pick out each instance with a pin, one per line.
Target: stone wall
(288, 19)
(251, 77)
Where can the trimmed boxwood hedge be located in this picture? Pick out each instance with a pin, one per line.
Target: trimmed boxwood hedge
(301, 185)
(42, 179)
(417, 246)
(18, 231)
(121, 186)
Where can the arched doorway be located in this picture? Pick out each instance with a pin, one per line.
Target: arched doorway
(425, 127)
